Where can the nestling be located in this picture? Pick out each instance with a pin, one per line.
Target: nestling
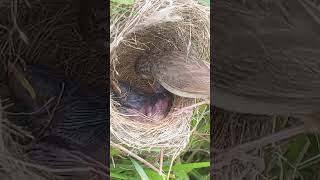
(31, 86)
(142, 106)
(78, 118)
(181, 74)
(74, 122)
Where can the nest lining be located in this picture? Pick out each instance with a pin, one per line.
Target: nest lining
(182, 25)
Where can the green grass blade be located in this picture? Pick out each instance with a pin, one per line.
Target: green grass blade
(309, 162)
(140, 170)
(118, 176)
(126, 2)
(205, 2)
(154, 175)
(188, 167)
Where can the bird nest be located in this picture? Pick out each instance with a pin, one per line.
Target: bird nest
(148, 27)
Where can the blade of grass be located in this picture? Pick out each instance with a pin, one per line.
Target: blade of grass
(126, 2)
(140, 170)
(153, 175)
(118, 176)
(188, 167)
(309, 162)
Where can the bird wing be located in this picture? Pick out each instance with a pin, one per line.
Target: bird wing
(184, 77)
(276, 63)
(81, 120)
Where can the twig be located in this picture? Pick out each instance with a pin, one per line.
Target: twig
(242, 148)
(27, 3)
(112, 160)
(134, 156)
(53, 170)
(192, 106)
(175, 155)
(2, 147)
(34, 112)
(53, 111)
(1, 109)
(17, 131)
(161, 161)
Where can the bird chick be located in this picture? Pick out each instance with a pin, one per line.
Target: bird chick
(142, 106)
(79, 117)
(181, 74)
(81, 120)
(34, 86)
(76, 123)
(34, 92)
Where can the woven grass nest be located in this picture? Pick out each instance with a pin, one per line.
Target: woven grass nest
(147, 27)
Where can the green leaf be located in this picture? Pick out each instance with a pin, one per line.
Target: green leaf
(140, 170)
(118, 176)
(205, 2)
(126, 2)
(114, 152)
(154, 175)
(297, 149)
(191, 166)
(309, 162)
(188, 167)
(181, 175)
(197, 175)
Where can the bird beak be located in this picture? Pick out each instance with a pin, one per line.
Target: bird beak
(19, 76)
(115, 87)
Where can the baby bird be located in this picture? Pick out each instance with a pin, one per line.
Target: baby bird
(75, 121)
(79, 117)
(142, 106)
(34, 86)
(34, 91)
(182, 75)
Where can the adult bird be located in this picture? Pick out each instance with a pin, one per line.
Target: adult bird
(181, 74)
(266, 58)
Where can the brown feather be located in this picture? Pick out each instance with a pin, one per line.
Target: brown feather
(180, 74)
(268, 60)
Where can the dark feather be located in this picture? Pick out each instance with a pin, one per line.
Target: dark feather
(81, 120)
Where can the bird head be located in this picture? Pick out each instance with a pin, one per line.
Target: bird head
(143, 68)
(20, 86)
